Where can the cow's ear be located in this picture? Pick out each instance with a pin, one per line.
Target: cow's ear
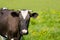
(34, 15)
(15, 14)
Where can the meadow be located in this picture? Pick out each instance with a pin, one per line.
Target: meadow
(47, 25)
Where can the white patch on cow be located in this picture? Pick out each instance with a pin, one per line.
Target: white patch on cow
(24, 31)
(24, 13)
(12, 39)
(4, 8)
(2, 38)
(5, 35)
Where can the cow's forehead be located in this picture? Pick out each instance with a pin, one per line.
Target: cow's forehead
(24, 13)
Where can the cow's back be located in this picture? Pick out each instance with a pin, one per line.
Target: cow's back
(8, 23)
(3, 21)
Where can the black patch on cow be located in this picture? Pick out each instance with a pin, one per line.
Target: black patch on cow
(1, 13)
(15, 14)
(34, 15)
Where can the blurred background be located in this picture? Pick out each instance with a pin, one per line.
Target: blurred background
(47, 25)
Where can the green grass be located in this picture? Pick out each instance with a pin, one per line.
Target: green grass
(47, 25)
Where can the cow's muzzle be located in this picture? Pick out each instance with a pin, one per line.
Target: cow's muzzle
(24, 32)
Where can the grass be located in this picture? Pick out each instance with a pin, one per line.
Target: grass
(47, 25)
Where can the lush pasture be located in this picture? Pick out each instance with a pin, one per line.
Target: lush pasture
(47, 25)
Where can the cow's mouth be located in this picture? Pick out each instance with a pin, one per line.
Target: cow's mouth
(24, 32)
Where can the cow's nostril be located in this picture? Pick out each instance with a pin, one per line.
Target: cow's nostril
(24, 31)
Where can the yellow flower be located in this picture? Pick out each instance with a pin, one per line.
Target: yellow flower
(33, 33)
(43, 31)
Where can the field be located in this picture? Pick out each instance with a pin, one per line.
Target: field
(47, 25)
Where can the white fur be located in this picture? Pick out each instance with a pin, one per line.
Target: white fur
(24, 13)
(3, 38)
(4, 8)
(12, 39)
(5, 35)
(24, 31)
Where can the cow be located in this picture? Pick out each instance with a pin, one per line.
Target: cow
(14, 24)
(24, 19)
(9, 20)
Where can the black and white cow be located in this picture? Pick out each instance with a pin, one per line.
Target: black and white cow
(24, 17)
(15, 24)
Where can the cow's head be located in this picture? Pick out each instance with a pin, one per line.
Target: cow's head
(25, 16)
